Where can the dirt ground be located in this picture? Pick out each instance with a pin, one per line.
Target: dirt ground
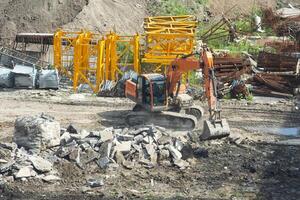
(250, 168)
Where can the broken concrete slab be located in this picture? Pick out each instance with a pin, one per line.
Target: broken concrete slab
(36, 133)
(148, 139)
(119, 157)
(128, 164)
(6, 78)
(24, 76)
(182, 164)
(25, 172)
(48, 79)
(75, 155)
(41, 164)
(65, 138)
(123, 147)
(164, 154)
(84, 133)
(151, 153)
(164, 140)
(95, 183)
(138, 148)
(76, 137)
(64, 151)
(85, 146)
(174, 152)
(138, 139)
(125, 137)
(139, 131)
(106, 134)
(6, 167)
(51, 178)
(103, 162)
(105, 149)
(93, 141)
(94, 134)
(179, 144)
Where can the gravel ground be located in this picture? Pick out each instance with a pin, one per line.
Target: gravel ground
(252, 167)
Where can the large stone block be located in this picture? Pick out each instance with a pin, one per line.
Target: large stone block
(37, 132)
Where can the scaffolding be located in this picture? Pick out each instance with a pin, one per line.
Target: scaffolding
(168, 37)
(89, 58)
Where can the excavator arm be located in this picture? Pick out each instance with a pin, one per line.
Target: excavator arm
(183, 65)
(214, 127)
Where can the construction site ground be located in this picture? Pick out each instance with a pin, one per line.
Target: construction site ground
(247, 165)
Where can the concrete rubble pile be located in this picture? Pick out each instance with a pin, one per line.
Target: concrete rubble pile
(39, 144)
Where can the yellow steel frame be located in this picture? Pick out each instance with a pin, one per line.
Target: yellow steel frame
(88, 58)
(116, 59)
(168, 37)
(63, 46)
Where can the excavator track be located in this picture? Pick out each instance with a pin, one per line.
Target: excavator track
(172, 120)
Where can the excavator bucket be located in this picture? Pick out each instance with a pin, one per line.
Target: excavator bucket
(215, 130)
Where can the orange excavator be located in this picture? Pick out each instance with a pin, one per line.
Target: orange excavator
(159, 99)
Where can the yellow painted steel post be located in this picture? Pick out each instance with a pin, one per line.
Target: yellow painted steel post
(57, 50)
(108, 56)
(85, 54)
(136, 54)
(77, 60)
(114, 57)
(100, 63)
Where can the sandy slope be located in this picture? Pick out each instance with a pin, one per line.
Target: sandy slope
(123, 16)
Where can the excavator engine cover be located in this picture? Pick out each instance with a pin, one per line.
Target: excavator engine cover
(215, 130)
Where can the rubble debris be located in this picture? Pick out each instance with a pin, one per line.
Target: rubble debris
(174, 152)
(65, 138)
(25, 172)
(36, 132)
(106, 134)
(103, 162)
(128, 164)
(40, 164)
(123, 147)
(108, 150)
(95, 183)
(182, 164)
(51, 178)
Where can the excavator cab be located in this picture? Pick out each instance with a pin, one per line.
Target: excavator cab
(149, 92)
